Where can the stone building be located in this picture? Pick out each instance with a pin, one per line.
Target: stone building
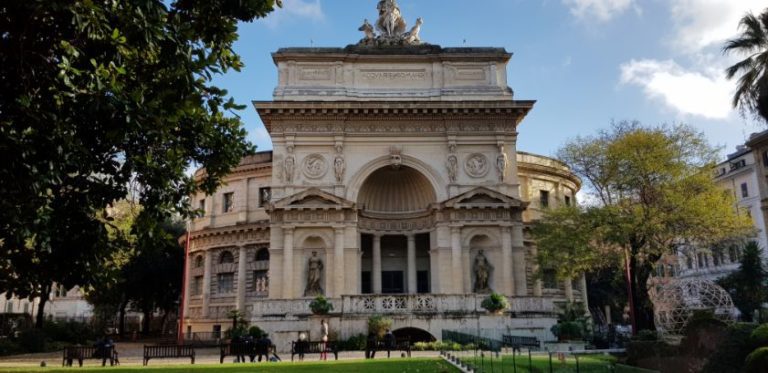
(394, 187)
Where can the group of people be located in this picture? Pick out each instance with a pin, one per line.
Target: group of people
(261, 348)
(372, 344)
(302, 345)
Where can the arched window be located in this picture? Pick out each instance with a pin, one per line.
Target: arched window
(262, 255)
(198, 261)
(226, 258)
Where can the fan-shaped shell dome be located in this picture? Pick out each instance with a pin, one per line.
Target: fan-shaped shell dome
(393, 190)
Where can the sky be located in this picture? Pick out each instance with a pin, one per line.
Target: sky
(586, 62)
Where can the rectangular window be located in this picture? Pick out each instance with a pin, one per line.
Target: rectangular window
(765, 158)
(226, 283)
(744, 190)
(201, 206)
(568, 201)
(365, 282)
(228, 204)
(543, 199)
(265, 195)
(549, 279)
(197, 285)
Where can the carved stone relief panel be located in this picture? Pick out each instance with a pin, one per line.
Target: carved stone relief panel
(476, 165)
(315, 166)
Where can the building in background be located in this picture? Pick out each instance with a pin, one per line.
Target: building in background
(63, 305)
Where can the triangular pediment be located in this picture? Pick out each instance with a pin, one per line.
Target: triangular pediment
(483, 197)
(312, 198)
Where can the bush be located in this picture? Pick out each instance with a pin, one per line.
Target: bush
(255, 332)
(379, 324)
(32, 340)
(495, 303)
(321, 306)
(8, 347)
(569, 330)
(71, 332)
(759, 336)
(757, 361)
(646, 335)
(732, 350)
(354, 343)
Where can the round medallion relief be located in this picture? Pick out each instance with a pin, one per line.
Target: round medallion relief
(476, 165)
(315, 166)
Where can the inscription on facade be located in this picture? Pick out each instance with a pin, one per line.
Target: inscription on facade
(315, 74)
(395, 75)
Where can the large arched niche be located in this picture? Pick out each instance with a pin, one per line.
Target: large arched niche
(428, 172)
(396, 190)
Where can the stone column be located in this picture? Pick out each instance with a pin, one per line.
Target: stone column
(456, 272)
(207, 283)
(241, 262)
(507, 287)
(537, 284)
(518, 261)
(411, 264)
(288, 263)
(569, 290)
(376, 270)
(338, 260)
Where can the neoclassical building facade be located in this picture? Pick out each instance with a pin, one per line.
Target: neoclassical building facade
(394, 187)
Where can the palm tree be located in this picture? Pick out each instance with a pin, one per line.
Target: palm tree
(752, 90)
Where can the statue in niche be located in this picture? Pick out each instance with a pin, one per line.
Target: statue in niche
(290, 167)
(501, 165)
(453, 168)
(339, 167)
(314, 274)
(483, 270)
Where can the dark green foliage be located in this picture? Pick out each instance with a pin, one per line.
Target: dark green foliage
(757, 361)
(320, 306)
(255, 332)
(379, 324)
(759, 336)
(751, 94)
(70, 332)
(571, 323)
(354, 343)
(33, 340)
(747, 286)
(98, 98)
(8, 347)
(640, 350)
(495, 303)
(646, 335)
(732, 351)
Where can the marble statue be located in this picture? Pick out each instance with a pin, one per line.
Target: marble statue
(290, 167)
(453, 167)
(339, 167)
(314, 275)
(482, 273)
(412, 37)
(390, 22)
(370, 34)
(501, 165)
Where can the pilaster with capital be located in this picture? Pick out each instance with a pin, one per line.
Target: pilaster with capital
(207, 283)
(241, 279)
(411, 263)
(458, 274)
(508, 287)
(376, 275)
(288, 275)
(518, 261)
(338, 260)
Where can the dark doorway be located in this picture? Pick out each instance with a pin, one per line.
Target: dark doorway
(422, 282)
(392, 282)
(414, 335)
(365, 286)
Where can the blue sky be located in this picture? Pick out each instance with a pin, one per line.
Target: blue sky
(586, 62)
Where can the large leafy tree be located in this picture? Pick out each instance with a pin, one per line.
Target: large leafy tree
(649, 193)
(752, 90)
(747, 286)
(94, 94)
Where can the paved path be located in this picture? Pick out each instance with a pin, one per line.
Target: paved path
(131, 354)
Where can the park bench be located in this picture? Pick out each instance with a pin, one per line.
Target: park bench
(244, 349)
(80, 353)
(169, 352)
(308, 347)
(402, 345)
(517, 342)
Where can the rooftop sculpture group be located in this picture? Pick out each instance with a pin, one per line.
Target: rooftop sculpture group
(391, 27)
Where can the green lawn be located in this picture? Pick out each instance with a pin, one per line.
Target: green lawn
(367, 366)
(587, 364)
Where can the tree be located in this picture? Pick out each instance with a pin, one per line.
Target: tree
(95, 94)
(752, 91)
(651, 193)
(747, 286)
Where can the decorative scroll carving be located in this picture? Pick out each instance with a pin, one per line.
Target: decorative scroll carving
(315, 166)
(476, 165)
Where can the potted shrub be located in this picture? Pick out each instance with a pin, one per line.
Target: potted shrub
(495, 303)
(320, 306)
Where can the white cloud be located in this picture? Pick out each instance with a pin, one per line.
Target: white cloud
(702, 93)
(707, 23)
(602, 10)
(292, 9)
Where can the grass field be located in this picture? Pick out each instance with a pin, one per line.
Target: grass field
(366, 366)
(587, 364)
